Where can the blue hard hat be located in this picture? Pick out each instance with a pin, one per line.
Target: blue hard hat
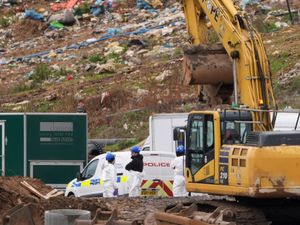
(180, 149)
(109, 156)
(135, 149)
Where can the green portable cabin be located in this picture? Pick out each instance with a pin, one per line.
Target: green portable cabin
(48, 146)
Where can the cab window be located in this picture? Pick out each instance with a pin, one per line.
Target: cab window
(234, 133)
(201, 142)
(90, 170)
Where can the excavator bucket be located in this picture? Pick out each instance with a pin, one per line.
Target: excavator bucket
(211, 68)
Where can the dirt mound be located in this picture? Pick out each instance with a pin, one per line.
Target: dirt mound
(13, 194)
(28, 29)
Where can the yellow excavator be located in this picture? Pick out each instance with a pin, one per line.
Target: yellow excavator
(234, 151)
(231, 149)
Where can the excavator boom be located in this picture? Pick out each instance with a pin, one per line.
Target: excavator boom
(246, 70)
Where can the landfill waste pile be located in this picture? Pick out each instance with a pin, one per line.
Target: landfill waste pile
(122, 58)
(13, 194)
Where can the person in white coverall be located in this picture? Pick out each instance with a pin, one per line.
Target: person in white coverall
(135, 168)
(178, 165)
(109, 176)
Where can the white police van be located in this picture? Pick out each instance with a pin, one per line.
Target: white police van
(157, 181)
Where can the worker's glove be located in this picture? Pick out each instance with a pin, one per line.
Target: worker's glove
(116, 192)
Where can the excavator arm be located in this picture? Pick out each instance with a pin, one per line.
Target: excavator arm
(250, 73)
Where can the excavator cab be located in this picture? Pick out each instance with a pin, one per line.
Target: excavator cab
(207, 133)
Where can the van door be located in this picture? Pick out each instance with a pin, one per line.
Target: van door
(167, 174)
(152, 170)
(90, 183)
(158, 174)
(122, 174)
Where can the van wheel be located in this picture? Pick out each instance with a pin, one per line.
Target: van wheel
(71, 195)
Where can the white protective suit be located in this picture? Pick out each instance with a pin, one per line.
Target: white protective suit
(179, 182)
(109, 179)
(134, 183)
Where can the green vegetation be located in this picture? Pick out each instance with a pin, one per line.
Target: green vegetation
(177, 53)
(36, 77)
(4, 22)
(21, 87)
(97, 58)
(82, 9)
(213, 37)
(41, 72)
(187, 107)
(279, 62)
(269, 27)
(116, 58)
(136, 126)
(120, 146)
(295, 84)
(287, 19)
(264, 27)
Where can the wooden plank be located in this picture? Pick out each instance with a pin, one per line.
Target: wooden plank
(55, 194)
(49, 194)
(32, 189)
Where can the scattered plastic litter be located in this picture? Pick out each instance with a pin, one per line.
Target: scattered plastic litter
(56, 25)
(32, 14)
(142, 4)
(69, 5)
(113, 31)
(129, 30)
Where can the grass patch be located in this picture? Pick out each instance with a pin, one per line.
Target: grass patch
(90, 90)
(41, 72)
(97, 58)
(264, 27)
(113, 127)
(279, 62)
(177, 53)
(116, 58)
(295, 84)
(82, 9)
(21, 87)
(120, 146)
(36, 77)
(4, 22)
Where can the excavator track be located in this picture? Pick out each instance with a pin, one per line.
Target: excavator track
(244, 212)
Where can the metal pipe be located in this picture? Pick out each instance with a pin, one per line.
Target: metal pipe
(289, 9)
(235, 82)
(296, 125)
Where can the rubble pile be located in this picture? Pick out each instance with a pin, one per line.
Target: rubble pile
(12, 194)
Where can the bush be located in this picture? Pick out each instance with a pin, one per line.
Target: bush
(41, 72)
(4, 22)
(115, 57)
(97, 58)
(84, 8)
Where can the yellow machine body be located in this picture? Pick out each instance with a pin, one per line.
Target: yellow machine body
(241, 169)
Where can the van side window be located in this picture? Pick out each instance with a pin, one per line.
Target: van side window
(90, 170)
